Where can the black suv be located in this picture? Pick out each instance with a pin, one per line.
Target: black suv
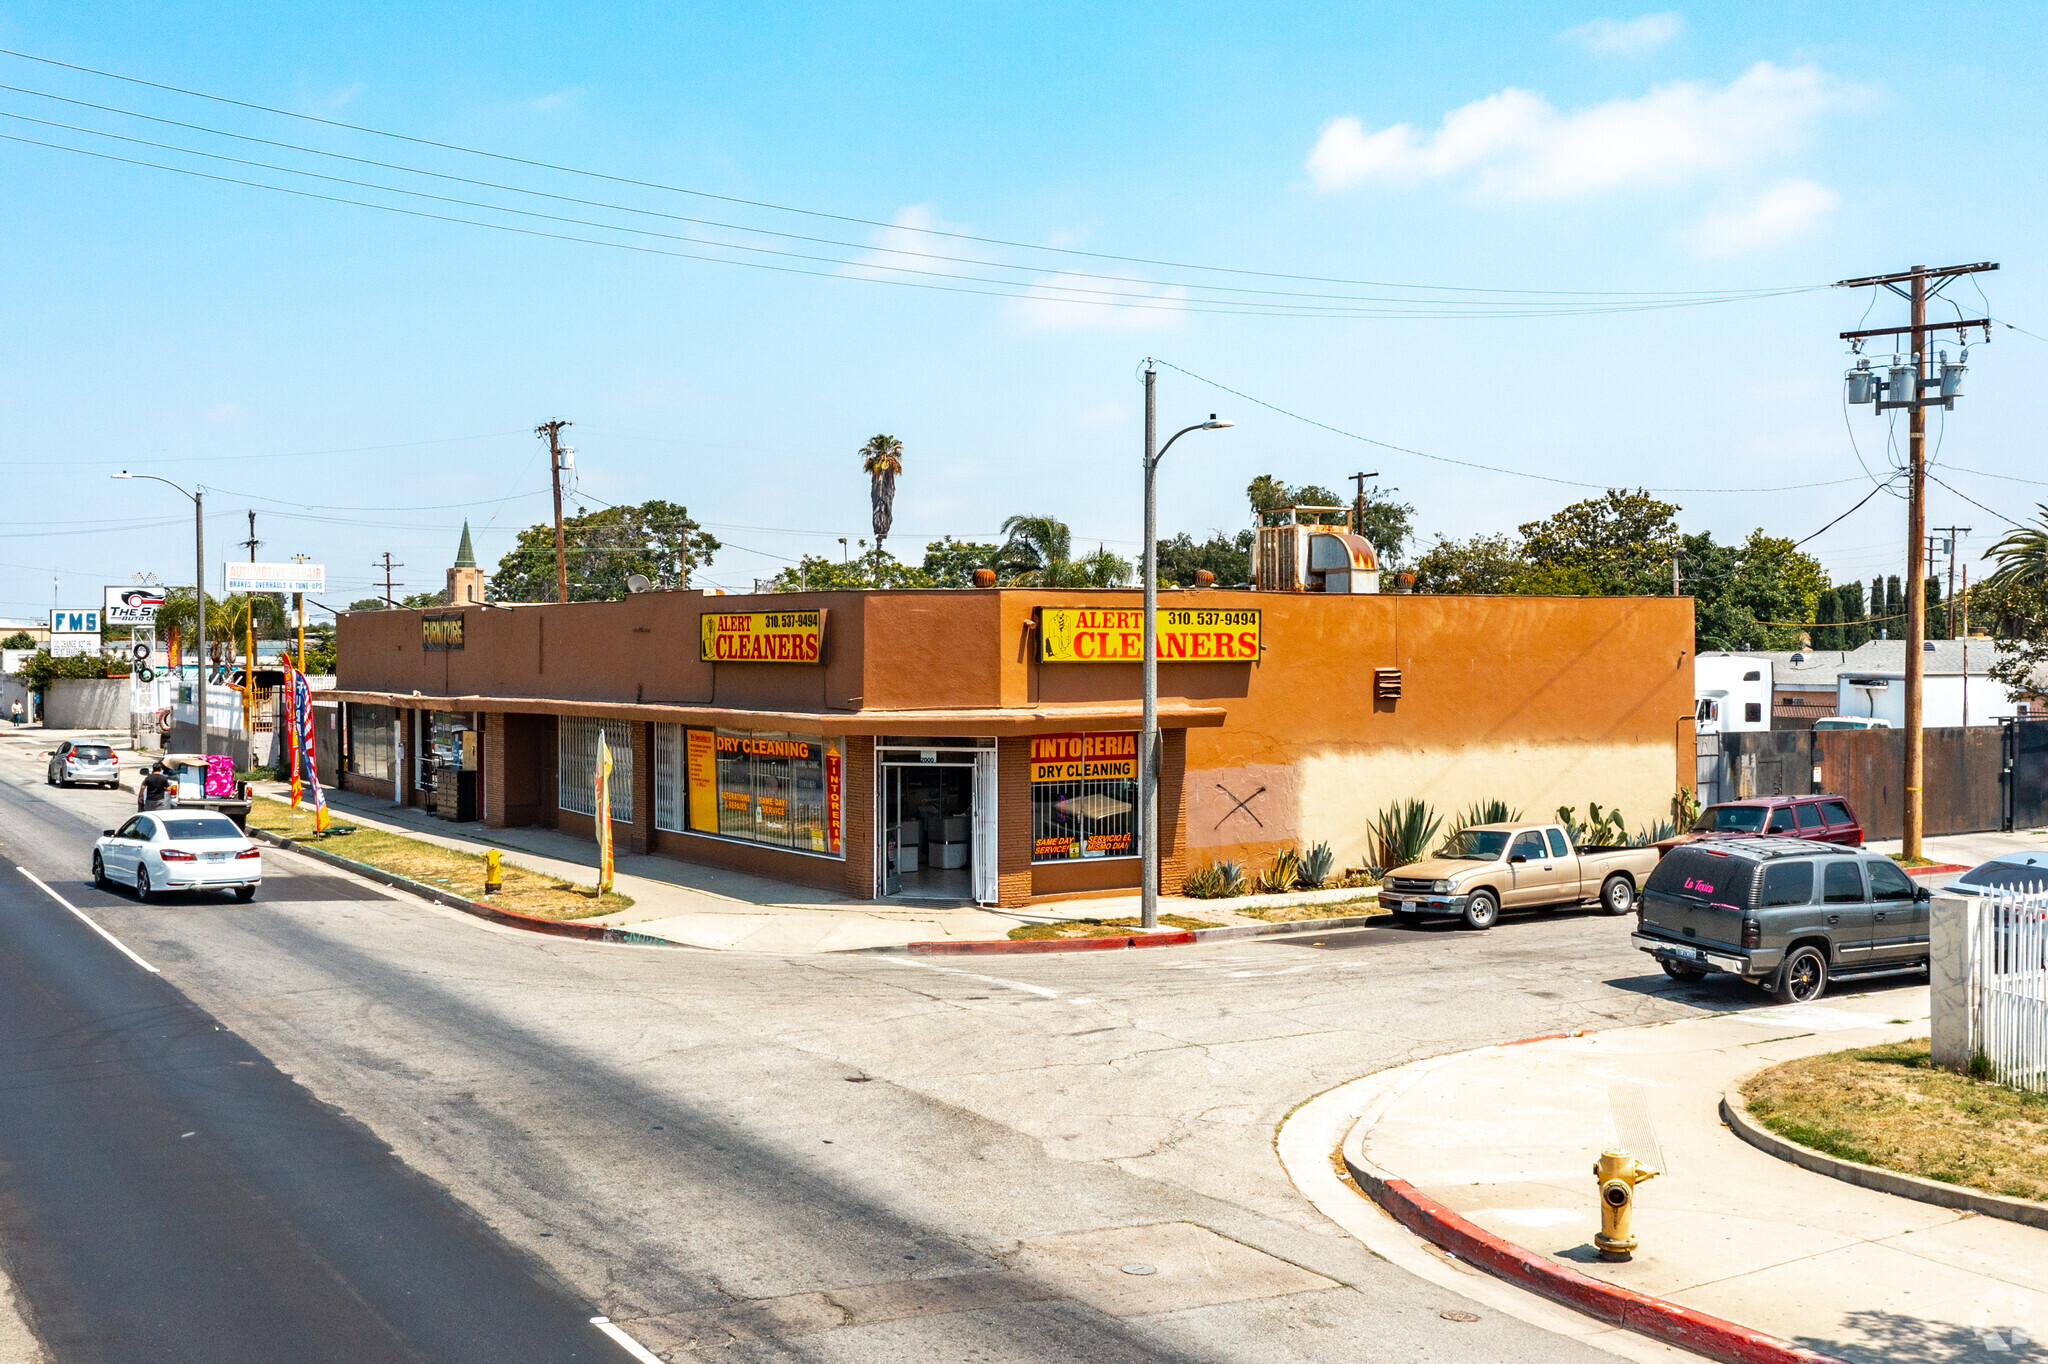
(1782, 913)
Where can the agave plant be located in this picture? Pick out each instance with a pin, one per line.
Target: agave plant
(1603, 828)
(1203, 883)
(1316, 866)
(1283, 875)
(1482, 812)
(1230, 878)
(1402, 833)
(1655, 832)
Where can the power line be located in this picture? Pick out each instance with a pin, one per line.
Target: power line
(1608, 303)
(805, 212)
(1470, 464)
(1980, 506)
(73, 462)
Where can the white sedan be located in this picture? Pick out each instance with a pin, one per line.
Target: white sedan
(167, 850)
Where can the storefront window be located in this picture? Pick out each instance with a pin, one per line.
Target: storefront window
(1084, 796)
(576, 767)
(372, 741)
(783, 790)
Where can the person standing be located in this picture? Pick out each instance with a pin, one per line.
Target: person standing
(154, 790)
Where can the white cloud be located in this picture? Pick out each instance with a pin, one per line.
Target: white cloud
(1075, 302)
(1626, 37)
(1521, 147)
(907, 245)
(1780, 213)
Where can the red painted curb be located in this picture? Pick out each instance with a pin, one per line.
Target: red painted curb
(1624, 1307)
(1944, 869)
(1546, 1037)
(995, 946)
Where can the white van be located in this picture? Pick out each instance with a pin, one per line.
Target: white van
(1731, 693)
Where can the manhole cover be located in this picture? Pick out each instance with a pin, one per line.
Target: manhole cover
(1139, 1269)
(1453, 1314)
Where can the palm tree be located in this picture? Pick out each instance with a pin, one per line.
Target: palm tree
(1031, 546)
(2023, 556)
(226, 618)
(882, 457)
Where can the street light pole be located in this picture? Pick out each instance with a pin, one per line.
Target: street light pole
(1148, 740)
(198, 496)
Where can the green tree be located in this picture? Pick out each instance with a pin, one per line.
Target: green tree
(876, 568)
(422, 600)
(1482, 565)
(1032, 544)
(1387, 524)
(1230, 559)
(39, 669)
(227, 620)
(1827, 630)
(2013, 601)
(1624, 540)
(1937, 609)
(655, 538)
(1855, 621)
(20, 639)
(951, 563)
(367, 604)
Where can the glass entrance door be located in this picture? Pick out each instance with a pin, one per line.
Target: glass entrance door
(892, 818)
(925, 803)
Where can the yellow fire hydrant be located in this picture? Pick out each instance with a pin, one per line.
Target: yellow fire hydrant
(1618, 1173)
(494, 877)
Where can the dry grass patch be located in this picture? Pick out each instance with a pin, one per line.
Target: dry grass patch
(1889, 1106)
(525, 892)
(1322, 909)
(1100, 928)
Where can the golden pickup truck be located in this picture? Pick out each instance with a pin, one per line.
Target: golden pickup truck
(1490, 867)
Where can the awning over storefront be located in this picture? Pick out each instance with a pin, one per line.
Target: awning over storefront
(998, 721)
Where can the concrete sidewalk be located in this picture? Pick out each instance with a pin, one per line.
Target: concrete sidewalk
(709, 907)
(1506, 1138)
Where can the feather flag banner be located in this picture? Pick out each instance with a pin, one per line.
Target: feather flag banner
(602, 778)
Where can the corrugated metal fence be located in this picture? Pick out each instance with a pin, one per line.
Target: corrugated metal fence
(1966, 774)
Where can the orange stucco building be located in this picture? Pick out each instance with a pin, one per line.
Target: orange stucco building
(978, 744)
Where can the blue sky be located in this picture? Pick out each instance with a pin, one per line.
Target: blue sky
(366, 379)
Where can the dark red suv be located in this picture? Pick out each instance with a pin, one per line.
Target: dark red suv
(1823, 819)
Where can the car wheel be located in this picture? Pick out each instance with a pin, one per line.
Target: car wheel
(245, 893)
(49, 776)
(99, 872)
(1617, 896)
(1481, 910)
(1680, 972)
(1803, 977)
(142, 891)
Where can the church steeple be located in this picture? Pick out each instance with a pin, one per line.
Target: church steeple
(466, 582)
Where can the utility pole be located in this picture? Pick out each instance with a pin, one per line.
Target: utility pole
(553, 431)
(1951, 532)
(387, 566)
(1358, 504)
(1909, 378)
(1674, 575)
(249, 650)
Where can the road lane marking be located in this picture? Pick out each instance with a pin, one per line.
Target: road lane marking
(1041, 991)
(626, 1342)
(125, 949)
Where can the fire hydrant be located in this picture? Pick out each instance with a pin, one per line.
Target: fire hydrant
(1618, 1173)
(494, 877)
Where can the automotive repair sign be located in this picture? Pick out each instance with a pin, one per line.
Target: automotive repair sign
(761, 637)
(132, 605)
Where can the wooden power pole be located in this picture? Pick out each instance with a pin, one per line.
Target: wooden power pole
(553, 431)
(387, 566)
(1909, 378)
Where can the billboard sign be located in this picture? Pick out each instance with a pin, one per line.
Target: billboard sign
(132, 605)
(74, 645)
(441, 634)
(1094, 634)
(277, 578)
(75, 620)
(761, 637)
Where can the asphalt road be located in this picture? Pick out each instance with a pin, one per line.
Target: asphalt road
(859, 1157)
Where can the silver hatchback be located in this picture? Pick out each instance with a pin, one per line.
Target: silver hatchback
(84, 760)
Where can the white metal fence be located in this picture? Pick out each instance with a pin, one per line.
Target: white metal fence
(2006, 976)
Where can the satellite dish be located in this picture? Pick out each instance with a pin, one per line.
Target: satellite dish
(638, 582)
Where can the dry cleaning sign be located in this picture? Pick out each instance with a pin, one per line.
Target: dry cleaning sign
(761, 637)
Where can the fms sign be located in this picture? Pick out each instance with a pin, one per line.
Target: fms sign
(74, 620)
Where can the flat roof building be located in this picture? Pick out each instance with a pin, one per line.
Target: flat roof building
(981, 744)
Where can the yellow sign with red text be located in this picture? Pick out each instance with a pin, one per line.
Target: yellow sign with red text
(1111, 756)
(1094, 634)
(761, 637)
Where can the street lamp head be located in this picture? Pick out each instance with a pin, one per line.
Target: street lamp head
(123, 474)
(1216, 424)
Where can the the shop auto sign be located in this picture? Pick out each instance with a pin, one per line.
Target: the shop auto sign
(132, 605)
